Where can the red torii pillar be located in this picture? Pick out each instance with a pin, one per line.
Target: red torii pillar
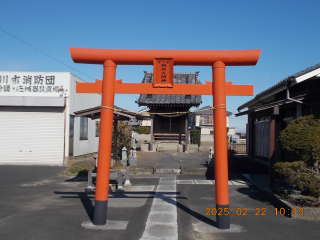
(220, 144)
(218, 59)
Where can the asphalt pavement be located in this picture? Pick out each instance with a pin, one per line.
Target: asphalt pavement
(38, 203)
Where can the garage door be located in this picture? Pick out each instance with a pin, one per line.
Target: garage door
(31, 135)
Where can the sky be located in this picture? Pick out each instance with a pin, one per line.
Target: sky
(287, 32)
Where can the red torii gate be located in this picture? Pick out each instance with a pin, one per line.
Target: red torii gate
(163, 62)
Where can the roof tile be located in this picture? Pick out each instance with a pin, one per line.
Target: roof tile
(281, 83)
(162, 99)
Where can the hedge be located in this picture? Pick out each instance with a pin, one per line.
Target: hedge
(195, 137)
(299, 175)
(142, 130)
(300, 168)
(301, 138)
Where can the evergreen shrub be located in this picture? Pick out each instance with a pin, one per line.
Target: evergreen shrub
(124, 139)
(299, 175)
(195, 137)
(142, 130)
(301, 141)
(301, 138)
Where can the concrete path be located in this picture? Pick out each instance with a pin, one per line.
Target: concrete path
(176, 161)
(162, 218)
(168, 164)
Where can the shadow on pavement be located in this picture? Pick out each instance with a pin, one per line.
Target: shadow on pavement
(254, 193)
(89, 207)
(84, 198)
(196, 215)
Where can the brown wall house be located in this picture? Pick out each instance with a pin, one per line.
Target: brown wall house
(272, 110)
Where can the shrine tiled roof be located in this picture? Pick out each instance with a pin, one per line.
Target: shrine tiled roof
(171, 100)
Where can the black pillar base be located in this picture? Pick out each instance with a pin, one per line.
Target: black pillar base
(100, 212)
(223, 220)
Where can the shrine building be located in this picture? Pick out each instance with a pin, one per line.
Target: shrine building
(170, 128)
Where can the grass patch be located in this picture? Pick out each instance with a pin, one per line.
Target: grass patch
(80, 168)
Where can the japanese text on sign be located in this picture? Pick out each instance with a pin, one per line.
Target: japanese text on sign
(27, 83)
(163, 72)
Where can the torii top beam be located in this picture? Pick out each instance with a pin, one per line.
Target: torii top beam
(181, 57)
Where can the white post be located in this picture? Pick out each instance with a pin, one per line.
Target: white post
(211, 158)
(127, 182)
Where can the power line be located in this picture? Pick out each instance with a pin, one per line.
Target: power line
(28, 44)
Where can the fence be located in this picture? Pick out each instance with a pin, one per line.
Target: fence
(239, 148)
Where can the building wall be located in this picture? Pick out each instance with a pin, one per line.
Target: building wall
(80, 101)
(207, 137)
(206, 130)
(232, 131)
(32, 117)
(146, 123)
(82, 147)
(262, 138)
(198, 121)
(265, 126)
(43, 88)
(169, 125)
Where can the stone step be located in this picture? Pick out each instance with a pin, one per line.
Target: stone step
(168, 167)
(169, 170)
(167, 151)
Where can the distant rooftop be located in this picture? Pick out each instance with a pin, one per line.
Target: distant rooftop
(206, 111)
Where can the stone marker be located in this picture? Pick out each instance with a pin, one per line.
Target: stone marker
(127, 182)
(124, 156)
(133, 160)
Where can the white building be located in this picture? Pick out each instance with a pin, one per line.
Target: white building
(37, 118)
(146, 122)
(203, 119)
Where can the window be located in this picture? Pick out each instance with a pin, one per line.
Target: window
(206, 120)
(71, 125)
(83, 128)
(97, 128)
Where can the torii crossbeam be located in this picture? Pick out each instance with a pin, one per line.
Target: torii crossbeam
(163, 62)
